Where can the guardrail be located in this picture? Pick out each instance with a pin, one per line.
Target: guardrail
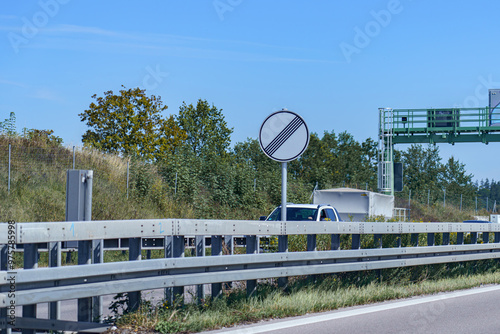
(28, 287)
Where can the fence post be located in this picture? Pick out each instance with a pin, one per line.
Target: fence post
(460, 238)
(127, 176)
(175, 188)
(216, 246)
(8, 181)
(252, 243)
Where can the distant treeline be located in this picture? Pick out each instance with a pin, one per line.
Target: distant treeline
(192, 153)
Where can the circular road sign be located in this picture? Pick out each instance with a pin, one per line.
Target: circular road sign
(283, 136)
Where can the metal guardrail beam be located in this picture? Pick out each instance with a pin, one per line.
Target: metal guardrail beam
(33, 286)
(94, 230)
(54, 284)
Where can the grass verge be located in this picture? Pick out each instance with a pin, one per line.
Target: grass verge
(302, 296)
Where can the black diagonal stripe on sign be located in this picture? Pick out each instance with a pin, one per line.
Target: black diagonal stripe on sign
(283, 136)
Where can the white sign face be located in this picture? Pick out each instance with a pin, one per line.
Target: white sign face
(283, 136)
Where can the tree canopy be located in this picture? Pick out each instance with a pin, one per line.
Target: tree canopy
(131, 123)
(206, 129)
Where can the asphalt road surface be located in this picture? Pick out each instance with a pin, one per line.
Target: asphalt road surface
(469, 311)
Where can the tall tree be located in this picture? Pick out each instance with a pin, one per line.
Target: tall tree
(422, 168)
(8, 126)
(457, 182)
(131, 123)
(206, 129)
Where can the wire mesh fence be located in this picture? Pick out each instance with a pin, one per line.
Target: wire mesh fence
(21, 162)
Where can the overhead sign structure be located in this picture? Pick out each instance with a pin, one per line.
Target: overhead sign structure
(283, 136)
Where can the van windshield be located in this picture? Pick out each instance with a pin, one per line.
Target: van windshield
(295, 214)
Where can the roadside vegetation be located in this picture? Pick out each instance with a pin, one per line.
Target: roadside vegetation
(302, 296)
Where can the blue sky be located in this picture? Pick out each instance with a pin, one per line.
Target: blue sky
(333, 62)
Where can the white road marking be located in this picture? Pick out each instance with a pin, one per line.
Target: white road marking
(359, 311)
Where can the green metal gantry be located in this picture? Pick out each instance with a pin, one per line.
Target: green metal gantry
(442, 125)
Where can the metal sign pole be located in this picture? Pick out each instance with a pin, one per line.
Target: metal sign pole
(283, 137)
(283, 239)
(283, 190)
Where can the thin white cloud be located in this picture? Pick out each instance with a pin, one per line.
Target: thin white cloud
(75, 37)
(44, 93)
(8, 17)
(75, 29)
(12, 83)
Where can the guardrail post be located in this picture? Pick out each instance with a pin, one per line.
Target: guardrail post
(174, 247)
(460, 238)
(135, 248)
(84, 258)
(30, 262)
(252, 243)
(398, 240)
(473, 237)
(497, 237)
(97, 301)
(178, 248)
(216, 251)
(229, 248)
(414, 239)
(486, 237)
(431, 239)
(356, 241)
(335, 242)
(311, 243)
(168, 245)
(3, 267)
(377, 240)
(200, 251)
(446, 239)
(282, 248)
(54, 261)
(229, 244)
